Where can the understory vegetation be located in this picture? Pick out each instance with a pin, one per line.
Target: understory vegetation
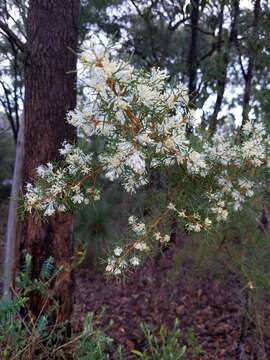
(45, 337)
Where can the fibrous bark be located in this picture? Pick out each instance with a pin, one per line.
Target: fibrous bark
(52, 31)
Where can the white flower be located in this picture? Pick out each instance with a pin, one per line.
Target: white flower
(147, 95)
(118, 251)
(111, 264)
(109, 67)
(139, 228)
(109, 268)
(96, 195)
(169, 143)
(182, 214)
(144, 139)
(135, 261)
(249, 193)
(166, 238)
(137, 162)
(237, 206)
(142, 246)
(125, 73)
(66, 148)
(117, 271)
(158, 76)
(197, 160)
(197, 227)
(194, 227)
(44, 170)
(78, 198)
(62, 208)
(248, 127)
(50, 210)
(132, 220)
(171, 206)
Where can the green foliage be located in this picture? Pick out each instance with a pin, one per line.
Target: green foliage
(97, 226)
(47, 269)
(168, 344)
(24, 337)
(102, 225)
(94, 343)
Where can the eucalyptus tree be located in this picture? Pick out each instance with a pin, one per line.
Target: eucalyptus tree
(50, 91)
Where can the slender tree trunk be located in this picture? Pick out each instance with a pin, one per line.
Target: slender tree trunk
(222, 80)
(192, 56)
(192, 60)
(11, 234)
(251, 63)
(52, 30)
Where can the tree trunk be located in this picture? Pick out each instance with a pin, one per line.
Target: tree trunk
(12, 228)
(251, 63)
(192, 61)
(222, 80)
(192, 56)
(52, 30)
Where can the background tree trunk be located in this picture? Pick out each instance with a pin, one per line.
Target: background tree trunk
(251, 63)
(52, 30)
(12, 229)
(192, 60)
(225, 59)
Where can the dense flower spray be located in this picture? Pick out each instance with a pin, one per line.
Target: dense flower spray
(142, 120)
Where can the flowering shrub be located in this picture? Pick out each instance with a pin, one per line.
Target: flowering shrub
(142, 121)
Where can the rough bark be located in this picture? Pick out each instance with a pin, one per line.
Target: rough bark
(52, 30)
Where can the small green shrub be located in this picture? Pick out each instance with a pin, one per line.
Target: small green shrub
(23, 337)
(169, 344)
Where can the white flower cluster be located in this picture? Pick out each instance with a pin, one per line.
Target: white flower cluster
(162, 239)
(234, 166)
(127, 163)
(253, 150)
(142, 121)
(193, 222)
(131, 256)
(56, 189)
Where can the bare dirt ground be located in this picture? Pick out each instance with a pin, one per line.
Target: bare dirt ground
(209, 306)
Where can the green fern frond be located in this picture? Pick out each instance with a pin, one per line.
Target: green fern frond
(48, 269)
